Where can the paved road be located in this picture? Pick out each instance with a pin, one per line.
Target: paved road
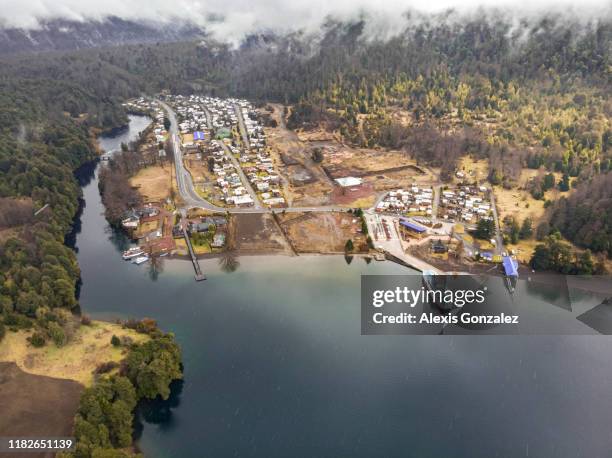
(243, 131)
(184, 181)
(247, 146)
(245, 181)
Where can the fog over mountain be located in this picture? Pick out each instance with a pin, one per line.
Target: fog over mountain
(42, 25)
(62, 34)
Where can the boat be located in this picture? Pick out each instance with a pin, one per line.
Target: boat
(132, 253)
(140, 259)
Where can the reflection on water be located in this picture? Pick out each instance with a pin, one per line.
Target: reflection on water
(158, 411)
(228, 261)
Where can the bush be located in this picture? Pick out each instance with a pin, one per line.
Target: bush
(18, 321)
(2, 331)
(37, 340)
(106, 367)
(85, 320)
(57, 334)
(115, 341)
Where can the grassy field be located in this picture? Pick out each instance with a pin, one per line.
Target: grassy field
(519, 202)
(88, 348)
(154, 183)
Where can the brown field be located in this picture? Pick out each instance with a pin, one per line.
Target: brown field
(154, 182)
(257, 233)
(35, 405)
(89, 347)
(323, 232)
(381, 170)
(193, 213)
(358, 196)
(308, 183)
(303, 181)
(6, 234)
(315, 135)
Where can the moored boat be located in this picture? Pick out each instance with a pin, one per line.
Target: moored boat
(140, 259)
(132, 253)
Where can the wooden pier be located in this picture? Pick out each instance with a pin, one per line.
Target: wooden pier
(199, 276)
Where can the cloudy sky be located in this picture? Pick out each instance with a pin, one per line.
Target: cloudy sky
(242, 16)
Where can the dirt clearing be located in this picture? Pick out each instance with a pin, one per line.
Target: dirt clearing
(323, 232)
(258, 233)
(35, 405)
(154, 183)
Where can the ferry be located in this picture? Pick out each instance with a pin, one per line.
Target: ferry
(132, 253)
(140, 259)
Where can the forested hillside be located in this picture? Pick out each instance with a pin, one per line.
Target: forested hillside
(41, 145)
(585, 217)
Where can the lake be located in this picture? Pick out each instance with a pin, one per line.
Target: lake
(275, 365)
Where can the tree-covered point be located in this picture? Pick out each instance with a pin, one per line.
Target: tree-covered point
(104, 422)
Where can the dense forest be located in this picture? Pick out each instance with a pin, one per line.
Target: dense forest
(40, 147)
(585, 217)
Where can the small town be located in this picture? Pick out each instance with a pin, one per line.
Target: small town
(237, 190)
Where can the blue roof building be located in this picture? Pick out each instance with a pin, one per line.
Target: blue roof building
(510, 266)
(197, 135)
(412, 226)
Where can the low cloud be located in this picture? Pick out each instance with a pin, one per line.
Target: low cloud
(230, 20)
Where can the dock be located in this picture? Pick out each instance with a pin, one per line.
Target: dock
(199, 276)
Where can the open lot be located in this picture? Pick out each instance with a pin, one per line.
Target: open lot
(155, 182)
(257, 233)
(323, 232)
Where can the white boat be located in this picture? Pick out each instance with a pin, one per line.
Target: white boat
(140, 259)
(132, 253)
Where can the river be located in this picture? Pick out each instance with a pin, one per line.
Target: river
(275, 365)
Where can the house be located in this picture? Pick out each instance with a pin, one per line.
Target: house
(218, 240)
(349, 181)
(412, 228)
